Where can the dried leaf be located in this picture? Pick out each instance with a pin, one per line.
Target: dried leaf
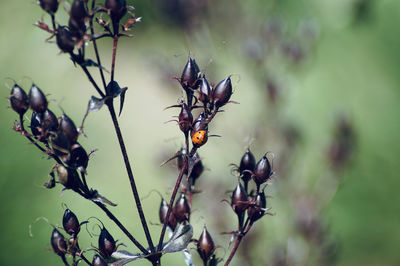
(188, 258)
(123, 257)
(180, 239)
(99, 198)
(114, 90)
(91, 63)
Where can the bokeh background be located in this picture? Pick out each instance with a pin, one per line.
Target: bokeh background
(318, 85)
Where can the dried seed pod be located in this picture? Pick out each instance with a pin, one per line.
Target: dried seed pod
(205, 91)
(37, 99)
(58, 243)
(163, 215)
(98, 261)
(69, 178)
(117, 9)
(257, 211)
(197, 170)
(78, 157)
(78, 10)
(247, 165)
(239, 200)
(107, 244)
(200, 138)
(36, 124)
(181, 159)
(185, 118)
(262, 171)
(19, 100)
(205, 246)
(189, 74)
(182, 209)
(199, 124)
(68, 128)
(49, 122)
(222, 92)
(60, 144)
(50, 6)
(77, 28)
(65, 39)
(70, 223)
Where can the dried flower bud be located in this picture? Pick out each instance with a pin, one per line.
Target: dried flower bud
(49, 122)
(98, 261)
(78, 10)
(257, 211)
(58, 243)
(117, 9)
(205, 245)
(239, 200)
(205, 91)
(222, 92)
(69, 178)
(37, 99)
(65, 40)
(70, 223)
(50, 6)
(19, 100)
(263, 171)
(77, 28)
(189, 74)
(199, 124)
(182, 209)
(107, 244)
(36, 122)
(77, 157)
(185, 118)
(60, 144)
(247, 163)
(68, 128)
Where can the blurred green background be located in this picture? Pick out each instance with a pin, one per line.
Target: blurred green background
(326, 58)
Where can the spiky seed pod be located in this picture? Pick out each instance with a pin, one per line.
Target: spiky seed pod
(205, 245)
(65, 39)
(189, 74)
(78, 10)
(222, 92)
(205, 91)
(37, 99)
(58, 243)
(107, 244)
(182, 209)
(49, 122)
(98, 261)
(78, 157)
(68, 128)
(19, 100)
(36, 124)
(185, 118)
(247, 163)
(257, 211)
(50, 6)
(262, 171)
(239, 200)
(70, 223)
(117, 9)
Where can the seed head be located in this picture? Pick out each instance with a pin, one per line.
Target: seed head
(263, 171)
(182, 209)
(78, 10)
(49, 122)
(257, 211)
(205, 91)
(78, 157)
(65, 39)
(247, 163)
(185, 118)
(70, 223)
(189, 74)
(117, 9)
(239, 199)
(68, 128)
(36, 122)
(58, 243)
(106, 243)
(222, 92)
(19, 100)
(37, 99)
(98, 261)
(205, 245)
(50, 6)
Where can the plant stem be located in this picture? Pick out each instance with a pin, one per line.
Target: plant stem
(85, 259)
(115, 44)
(84, 68)
(171, 202)
(130, 175)
(237, 243)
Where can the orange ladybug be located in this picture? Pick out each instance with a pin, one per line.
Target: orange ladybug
(200, 138)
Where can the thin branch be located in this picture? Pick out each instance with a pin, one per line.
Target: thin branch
(233, 252)
(115, 44)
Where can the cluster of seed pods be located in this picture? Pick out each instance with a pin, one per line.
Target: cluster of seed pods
(58, 137)
(63, 246)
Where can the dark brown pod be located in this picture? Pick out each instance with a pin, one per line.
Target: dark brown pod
(37, 99)
(78, 157)
(197, 170)
(36, 124)
(117, 9)
(189, 74)
(247, 163)
(181, 159)
(60, 144)
(50, 6)
(107, 244)
(257, 211)
(58, 243)
(182, 209)
(68, 128)
(69, 178)
(262, 171)
(199, 124)
(65, 39)
(98, 261)
(205, 91)
(78, 10)
(205, 245)
(239, 200)
(163, 215)
(222, 92)
(49, 122)
(185, 118)
(70, 223)
(77, 28)
(19, 100)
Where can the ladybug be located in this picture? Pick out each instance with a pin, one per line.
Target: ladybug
(199, 138)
